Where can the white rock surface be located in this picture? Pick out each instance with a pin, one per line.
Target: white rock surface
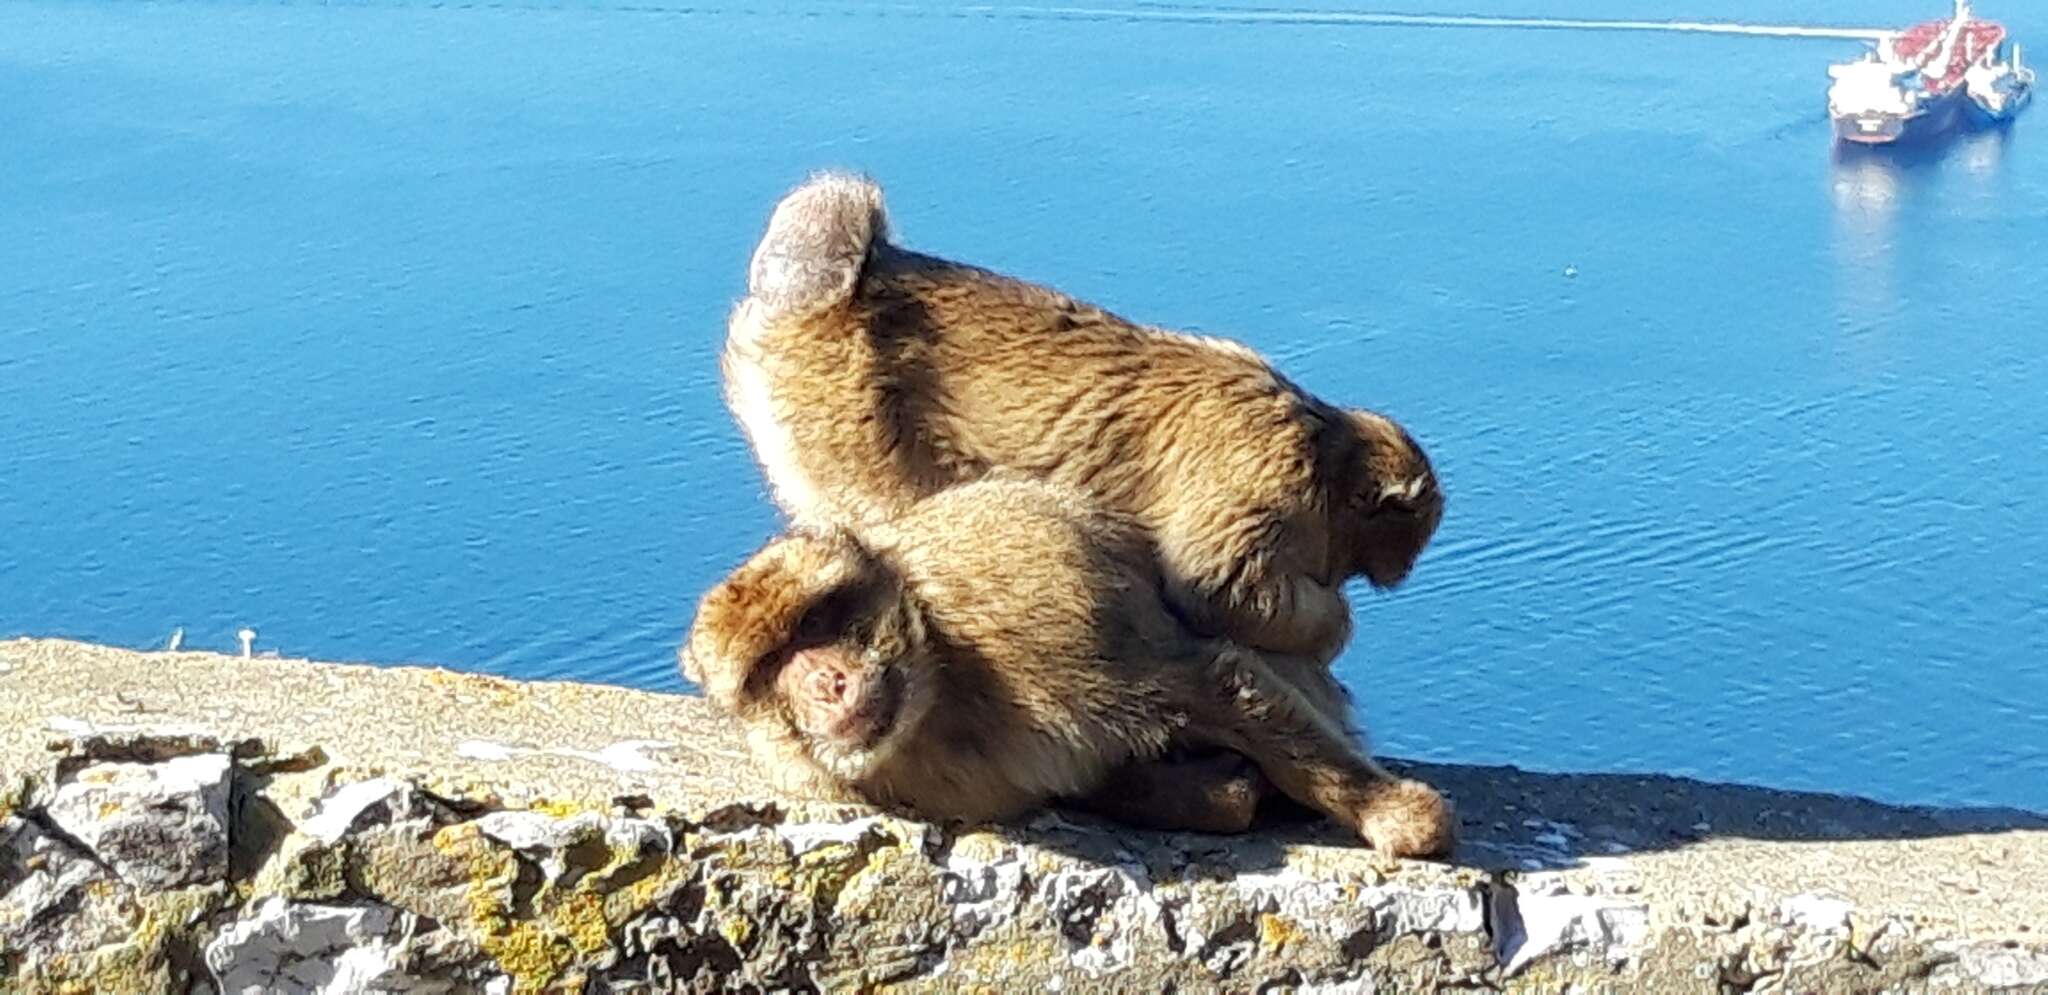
(352, 806)
(2004, 967)
(1540, 919)
(159, 825)
(41, 877)
(287, 948)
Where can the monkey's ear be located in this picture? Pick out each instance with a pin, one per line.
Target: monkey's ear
(748, 623)
(740, 625)
(719, 692)
(1394, 502)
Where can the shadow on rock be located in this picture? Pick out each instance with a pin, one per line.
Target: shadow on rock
(1513, 819)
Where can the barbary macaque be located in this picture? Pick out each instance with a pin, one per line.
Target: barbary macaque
(1001, 645)
(867, 376)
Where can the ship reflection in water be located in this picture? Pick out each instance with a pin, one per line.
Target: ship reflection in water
(1872, 186)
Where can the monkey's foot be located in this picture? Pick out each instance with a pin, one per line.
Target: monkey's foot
(1224, 791)
(1408, 819)
(1209, 794)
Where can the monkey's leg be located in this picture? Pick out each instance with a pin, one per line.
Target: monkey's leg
(1244, 705)
(1318, 683)
(1218, 793)
(1302, 638)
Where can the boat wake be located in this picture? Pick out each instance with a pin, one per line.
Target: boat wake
(1246, 15)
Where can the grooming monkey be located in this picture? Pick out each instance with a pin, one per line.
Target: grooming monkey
(1000, 645)
(867, 376)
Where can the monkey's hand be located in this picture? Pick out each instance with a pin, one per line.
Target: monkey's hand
(1276, 612)
(791, 771)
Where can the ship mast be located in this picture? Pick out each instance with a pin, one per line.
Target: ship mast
(1942, 55)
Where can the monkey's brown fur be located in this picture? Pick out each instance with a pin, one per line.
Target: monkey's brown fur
(867, 376)
(1026, 637)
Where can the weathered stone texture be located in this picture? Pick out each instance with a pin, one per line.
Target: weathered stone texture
(191, 850)
(158, 825)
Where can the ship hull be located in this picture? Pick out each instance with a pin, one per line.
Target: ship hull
(1986, 117)
(1935, 118)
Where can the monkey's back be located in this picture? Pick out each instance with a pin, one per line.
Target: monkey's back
(935, 373)
(1032, 380)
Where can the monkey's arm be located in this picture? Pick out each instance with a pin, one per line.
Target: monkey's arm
(1236, 591)
(790, 770)
(1242, 704)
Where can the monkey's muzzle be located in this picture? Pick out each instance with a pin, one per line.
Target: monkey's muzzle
(1396, 534)
(860, 704)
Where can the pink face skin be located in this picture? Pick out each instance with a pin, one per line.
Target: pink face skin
(836, 700)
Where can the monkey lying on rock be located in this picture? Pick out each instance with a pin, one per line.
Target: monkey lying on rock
(1000, 645)
(867, 376)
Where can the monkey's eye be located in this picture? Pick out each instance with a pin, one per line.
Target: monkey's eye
(1391, 501)
(1376, 504)
(825, 620)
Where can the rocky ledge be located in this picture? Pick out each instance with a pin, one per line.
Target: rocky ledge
(199, 823)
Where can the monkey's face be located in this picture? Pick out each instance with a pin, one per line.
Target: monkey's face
(836, 699)
(1395, 503)
(814, 638)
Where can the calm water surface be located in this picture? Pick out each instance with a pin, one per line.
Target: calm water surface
(390, 330)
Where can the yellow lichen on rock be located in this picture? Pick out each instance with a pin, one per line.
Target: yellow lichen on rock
(1276, 932)
(981, 847)
(558, 809)
(579, 918)
(501, 693)
(627, 897)
(1013, 956)
(142, 961)
(845, 877)
(736, 929)
(311, 870)
(548, 944)
(823, 872)
(534, 961)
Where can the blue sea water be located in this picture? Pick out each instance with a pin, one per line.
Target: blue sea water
(390, 329)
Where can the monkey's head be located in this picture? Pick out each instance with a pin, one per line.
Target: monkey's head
(1392, 502)
(815, 641)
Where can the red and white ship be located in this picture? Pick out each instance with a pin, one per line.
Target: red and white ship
(1925, 80)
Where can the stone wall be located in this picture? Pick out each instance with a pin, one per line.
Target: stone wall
(198, 823)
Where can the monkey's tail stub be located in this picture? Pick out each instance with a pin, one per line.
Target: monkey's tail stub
(817, 241)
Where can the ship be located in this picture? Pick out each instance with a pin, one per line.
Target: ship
(1998, 90)
(1919, 83)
